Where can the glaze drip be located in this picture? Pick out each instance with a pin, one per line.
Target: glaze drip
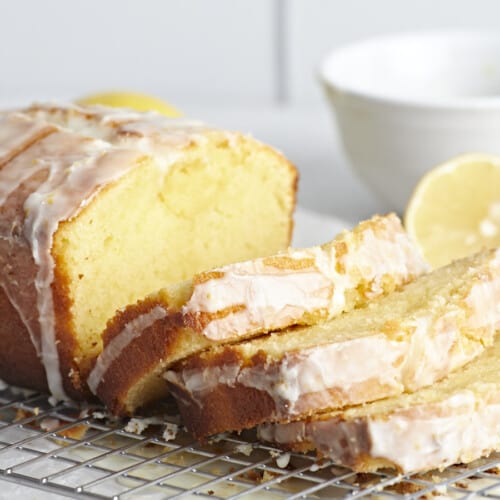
(113, 350)
(53, 160)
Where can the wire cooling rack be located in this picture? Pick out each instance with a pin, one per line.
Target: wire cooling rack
(82, 453)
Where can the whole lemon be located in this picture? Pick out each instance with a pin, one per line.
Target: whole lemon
(132, 100)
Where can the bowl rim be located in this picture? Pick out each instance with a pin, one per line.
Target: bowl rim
(453, 103)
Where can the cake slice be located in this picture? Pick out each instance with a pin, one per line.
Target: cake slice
(101, 206)
(247, 299)
(398, 343)
(455, 420)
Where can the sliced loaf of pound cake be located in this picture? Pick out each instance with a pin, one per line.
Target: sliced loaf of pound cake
(101, 206)
(247, 299)
(455, 420)
(398, 343)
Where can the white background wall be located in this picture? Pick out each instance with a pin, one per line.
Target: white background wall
(244, 64)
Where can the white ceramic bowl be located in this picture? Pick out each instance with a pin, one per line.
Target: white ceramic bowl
(405, 103)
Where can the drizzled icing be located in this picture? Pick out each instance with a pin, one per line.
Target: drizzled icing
(148, 132)
(305, 376)
(132, 330)
(426, 347)
(462, 427)
(75, 169)
(75, 152)
(276, 296)
(455, 420)
(16, 133)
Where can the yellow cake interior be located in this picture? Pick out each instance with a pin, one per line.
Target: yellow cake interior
(220, 202)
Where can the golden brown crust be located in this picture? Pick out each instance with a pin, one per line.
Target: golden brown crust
(28, 368)
(207, 276)
(19, 362)
(141, 356)
(73, 372)
(199, 320)
(225, 406)
(348, 440)
(116, 324)
(286, 262)
(218, 409)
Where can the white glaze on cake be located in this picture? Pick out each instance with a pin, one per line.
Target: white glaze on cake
(151, 132)
(80, 150)
(16, 133)
(419, 351)
(76, 168)
(460, 427)
(269, 296)
(114, 348)
(306, 377)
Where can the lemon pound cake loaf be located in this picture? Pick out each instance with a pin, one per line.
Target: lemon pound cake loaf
(99, 207)
(400, 342)
(455, 420)
(245, 299)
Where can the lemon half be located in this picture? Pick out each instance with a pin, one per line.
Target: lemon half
(131, 100)
(455, 208)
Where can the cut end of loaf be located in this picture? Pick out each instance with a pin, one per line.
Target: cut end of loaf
(151, 229)
(194, 198)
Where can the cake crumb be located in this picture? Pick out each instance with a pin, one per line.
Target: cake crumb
(404, 487)
(76, 432)
(138, 425)
(217, 438)
(441, 489)
(49, 424)
(21, 414)
(84, 412)
(170, 431)
(267, 476)
(244, 448)
(100, 415)
(283, 460)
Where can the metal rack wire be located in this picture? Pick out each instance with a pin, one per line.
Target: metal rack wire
(82, 454)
